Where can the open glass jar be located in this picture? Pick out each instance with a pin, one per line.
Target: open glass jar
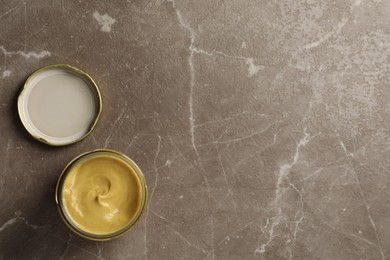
(101, 194)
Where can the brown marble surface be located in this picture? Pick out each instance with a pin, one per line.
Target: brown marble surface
(262, 127)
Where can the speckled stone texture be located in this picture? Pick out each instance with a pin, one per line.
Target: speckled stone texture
(262, 127)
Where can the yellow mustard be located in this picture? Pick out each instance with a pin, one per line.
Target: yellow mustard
(101, 194)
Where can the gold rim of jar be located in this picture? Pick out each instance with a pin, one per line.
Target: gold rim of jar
(78, 72)
(90, 236)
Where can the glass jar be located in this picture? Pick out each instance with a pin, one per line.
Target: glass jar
(94, 190)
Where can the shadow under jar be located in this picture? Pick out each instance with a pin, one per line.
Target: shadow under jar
(101, 194)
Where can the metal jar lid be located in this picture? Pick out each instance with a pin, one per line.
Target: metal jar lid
(59, 104)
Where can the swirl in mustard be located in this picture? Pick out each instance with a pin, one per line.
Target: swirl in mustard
(101, 195)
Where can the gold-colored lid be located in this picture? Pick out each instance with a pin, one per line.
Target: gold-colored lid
(59, 97)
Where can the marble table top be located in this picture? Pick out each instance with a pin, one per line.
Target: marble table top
(262, 127)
